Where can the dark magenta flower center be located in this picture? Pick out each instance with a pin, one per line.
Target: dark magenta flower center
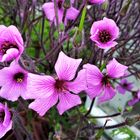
(7, 45)
(60, 85)
(105, 80)
(2, 115)
(125, 85)
(60, 2)
(19, 77)
(104, 36)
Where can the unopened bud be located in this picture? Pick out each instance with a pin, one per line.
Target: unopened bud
(67, 4)
(78, 39)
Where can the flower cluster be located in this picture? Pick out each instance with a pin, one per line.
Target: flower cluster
(71, 78)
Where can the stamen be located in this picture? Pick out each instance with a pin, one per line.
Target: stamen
(60, 85)
(7, 45)
(19, 77)
(104, 36)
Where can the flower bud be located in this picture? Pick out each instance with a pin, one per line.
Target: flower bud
(67, 4)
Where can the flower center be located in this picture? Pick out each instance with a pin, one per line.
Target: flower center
(2, 115)
(125, 85)
(19, 77)
(60, 85)
(7, 45)
(105, 80)
(104, 36)
(60, 2)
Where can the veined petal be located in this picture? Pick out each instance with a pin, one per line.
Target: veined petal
(79, 83)
(2, 28)
(72, 13)
(67, 101)
(115, 69)
(107, 45)
(41, 106)
(10, 91)
(48, 8)
(93, 74)
(94, 90)
(40, 86)
(108, 94)
(66, 67)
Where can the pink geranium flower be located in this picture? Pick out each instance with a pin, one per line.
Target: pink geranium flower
(96, 1)
(135, 99)
(49, 11)
(98, 83)
(48, 90)
(5, 120)
(13, 82)
(104, 32)
(124, 86)
(11, 43)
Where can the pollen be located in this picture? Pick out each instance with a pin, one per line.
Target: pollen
(19, 77)
(19, 80)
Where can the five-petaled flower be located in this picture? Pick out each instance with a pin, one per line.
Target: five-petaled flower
(99, 84)
(124, 86)
(13, 82)
(48, 90)
(5, 120)
(49, 10)
(104, 32)
(97, 1)
(11, 43)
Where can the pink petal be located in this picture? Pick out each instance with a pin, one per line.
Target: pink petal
(107, 45)
(138, 94)
(97, 1)
(41, 106)
(5, 129)
(10, 92)
(72, 13)
(67, 101)
(112, 27)
(133, 101)
(40, 86)
(10, 54)
(66, 67)
(16, 34)
(79, 84)
(115, 69)
(2, 28)
(48, 8)
(108, 94)
(94, 90)
(121, 89)
(7, 117)
(93, 74)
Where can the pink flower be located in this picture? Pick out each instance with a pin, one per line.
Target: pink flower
(11, 43)
(96, 1)
(49, 10)
(62, 89)
(13, 80)
(98, 83)
(104, 32)
(124, 86)
(5, 120)
(135, 99)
